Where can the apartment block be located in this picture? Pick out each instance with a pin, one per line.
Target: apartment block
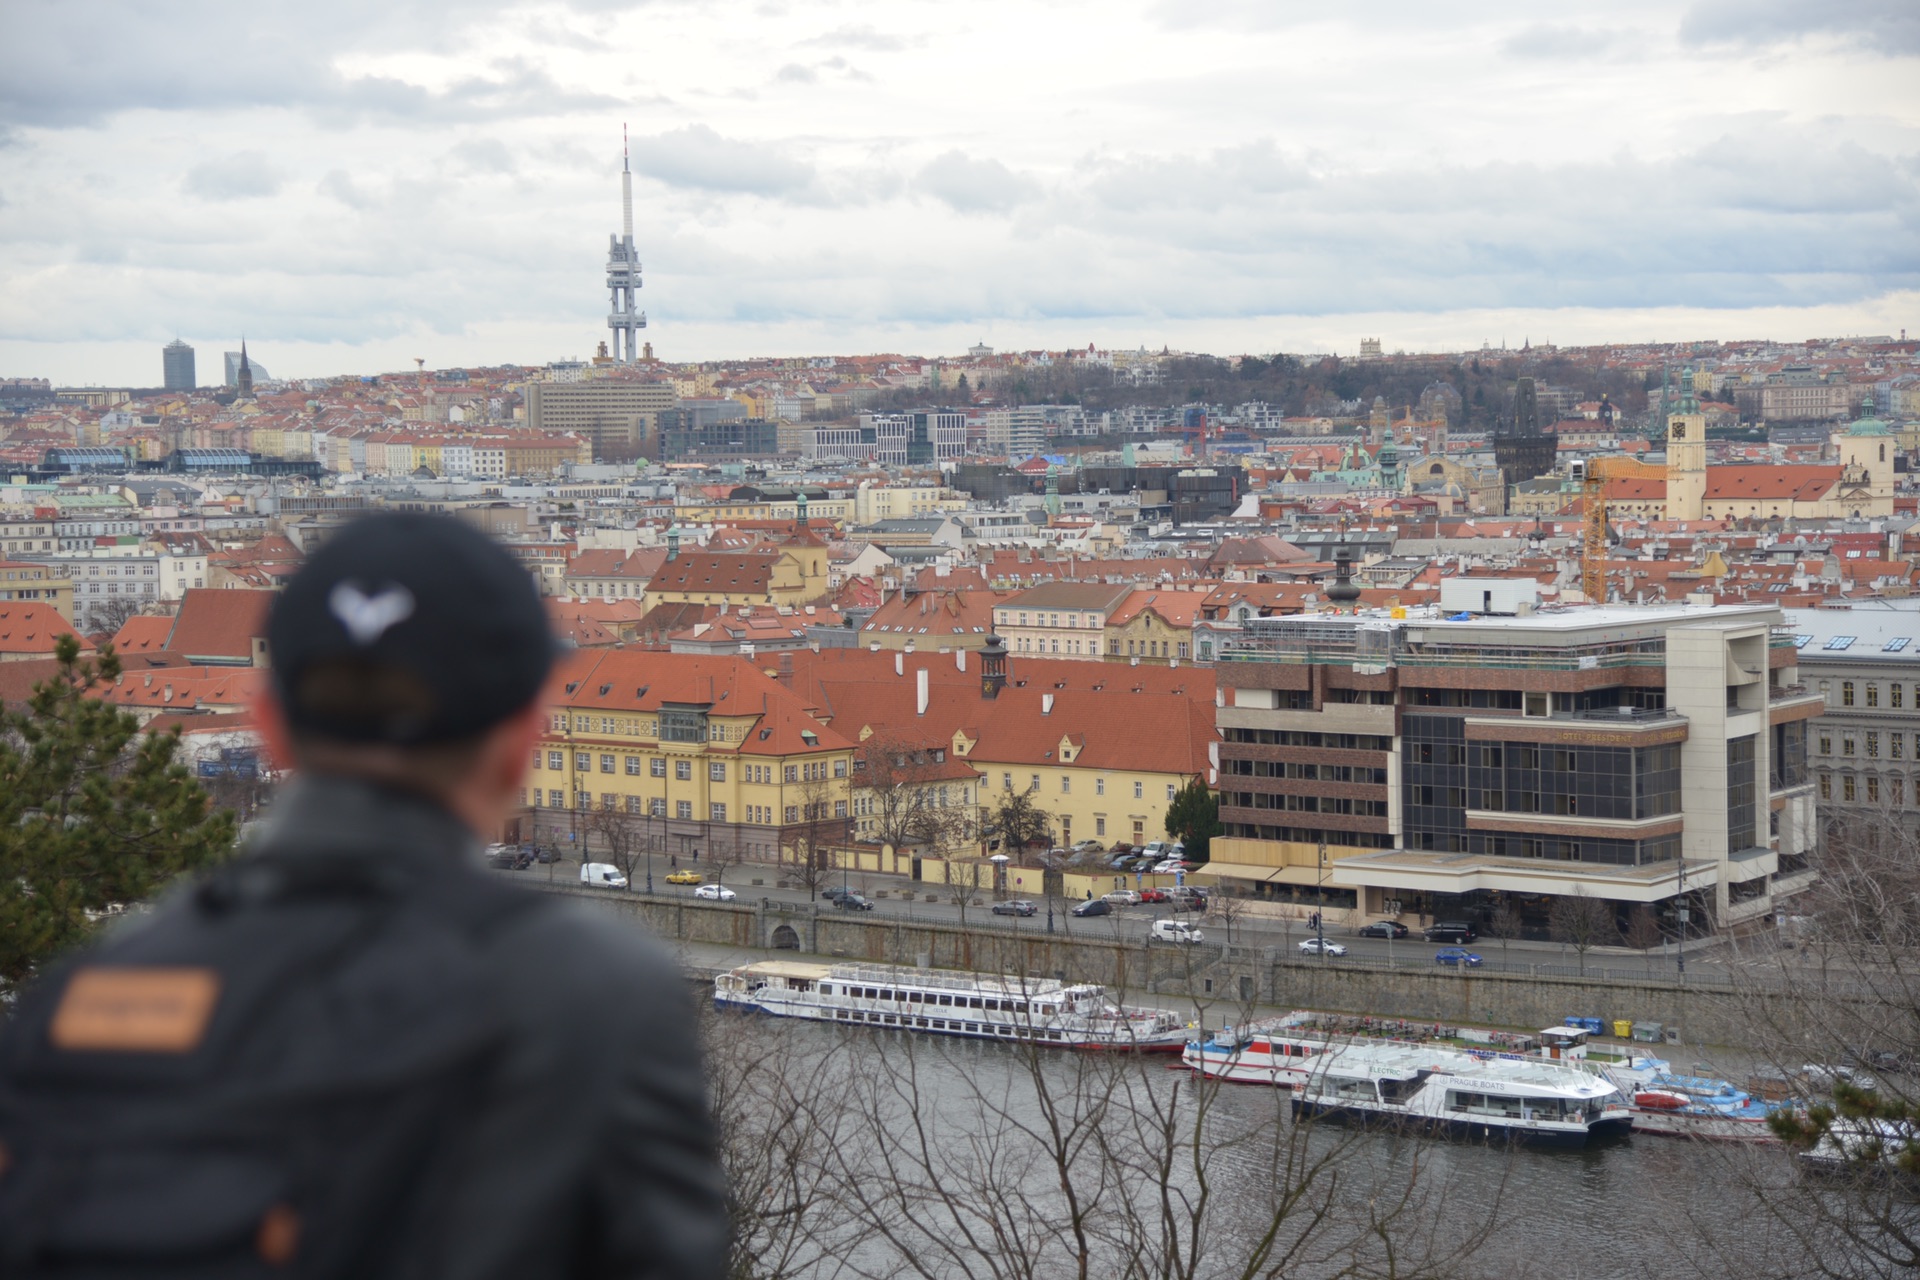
(1435, 763)
(1864, 665)
(618, 416)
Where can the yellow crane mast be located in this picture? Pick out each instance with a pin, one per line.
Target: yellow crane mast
(1593, 474)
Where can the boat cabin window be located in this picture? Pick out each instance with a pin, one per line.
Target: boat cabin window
(800, 984)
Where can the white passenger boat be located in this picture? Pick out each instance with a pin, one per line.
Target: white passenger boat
(1509, 1098)
(949, 1002)
(1271, 1051)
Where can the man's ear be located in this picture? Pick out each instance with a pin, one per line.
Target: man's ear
(512, 745)
(271, 718)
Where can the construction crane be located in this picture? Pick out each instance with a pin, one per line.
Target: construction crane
(1593, 474)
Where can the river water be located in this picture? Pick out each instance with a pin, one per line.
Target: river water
(923, 1155)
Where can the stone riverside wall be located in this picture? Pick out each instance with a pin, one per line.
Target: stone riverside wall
(1219, 980)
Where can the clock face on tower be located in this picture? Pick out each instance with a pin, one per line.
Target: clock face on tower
(1679, 431)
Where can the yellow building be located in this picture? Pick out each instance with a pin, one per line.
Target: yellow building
(792, 574)
(1154, 624)
(1101, 750)
(21, 580)
(1060, 619)
(696, 754)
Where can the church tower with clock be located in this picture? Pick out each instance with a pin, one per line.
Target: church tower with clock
(1686, 455)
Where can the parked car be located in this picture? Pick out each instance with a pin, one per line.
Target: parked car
(1014, 907)
(853, 902)
(1175, 931)
(1315, 946)
(1093, 907)
(1120, 862)
(1155, 895)
(1123, 898)
(1087, 846)
(542, 853)
(715, 893)
(685, 877)
(833, 893)
(1450, 931)
(504, 857)
(1381, 929)
(1456, 956)
(1167, 867)
(602, 875)
(1186, 897)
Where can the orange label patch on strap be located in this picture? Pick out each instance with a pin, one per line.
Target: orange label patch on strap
(135, 1010)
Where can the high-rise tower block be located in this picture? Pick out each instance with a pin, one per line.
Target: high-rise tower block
(625, 319)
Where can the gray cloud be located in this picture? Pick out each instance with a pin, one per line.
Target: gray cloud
(1890, 27)
(246, 175)
(863, 36)
(483, 155)
(64, 65)
(974, 186)
(1555, 41)
(698, 157)
(809, 73)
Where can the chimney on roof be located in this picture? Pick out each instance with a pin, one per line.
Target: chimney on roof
(960, 659)
(920, 692)
(786, 670)
(899, 663)
(1046, 704)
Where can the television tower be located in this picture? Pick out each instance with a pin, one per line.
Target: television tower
(623, 272)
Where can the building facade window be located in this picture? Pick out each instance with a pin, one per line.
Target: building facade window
(1846, 693)
(683, 770)
(606, 764)
(716, 771)
(717, 812)
(683, 809)
(1846, 788)
(657, 766)
(583, 761)
(1873, 694)
(633, 766)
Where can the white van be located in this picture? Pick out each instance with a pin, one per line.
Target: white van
(1175, 931)
(603, 875)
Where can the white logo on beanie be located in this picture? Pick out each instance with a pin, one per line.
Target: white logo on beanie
(366, 617)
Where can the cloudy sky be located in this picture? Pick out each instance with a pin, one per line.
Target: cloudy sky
(360, 182)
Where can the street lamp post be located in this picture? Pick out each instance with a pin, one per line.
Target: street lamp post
(1320, 907)
(1681, 914)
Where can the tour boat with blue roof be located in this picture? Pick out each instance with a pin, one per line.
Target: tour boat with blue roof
(1496, 1097)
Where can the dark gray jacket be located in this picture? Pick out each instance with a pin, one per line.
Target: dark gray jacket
(593, 1150)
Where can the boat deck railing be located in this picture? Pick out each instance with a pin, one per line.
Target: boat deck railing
(898, 976)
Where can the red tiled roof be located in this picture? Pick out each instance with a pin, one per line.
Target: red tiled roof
(1780, 481)
(220, 623)
(721, 573)
(1106, 705)
(32, 626)
(141, 634)
(618, 680)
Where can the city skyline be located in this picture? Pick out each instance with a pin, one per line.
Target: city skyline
(426, 181)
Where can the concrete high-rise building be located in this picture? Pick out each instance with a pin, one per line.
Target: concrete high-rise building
(620, 417)
(625, 319)
(1437, 766)
(176, 359)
